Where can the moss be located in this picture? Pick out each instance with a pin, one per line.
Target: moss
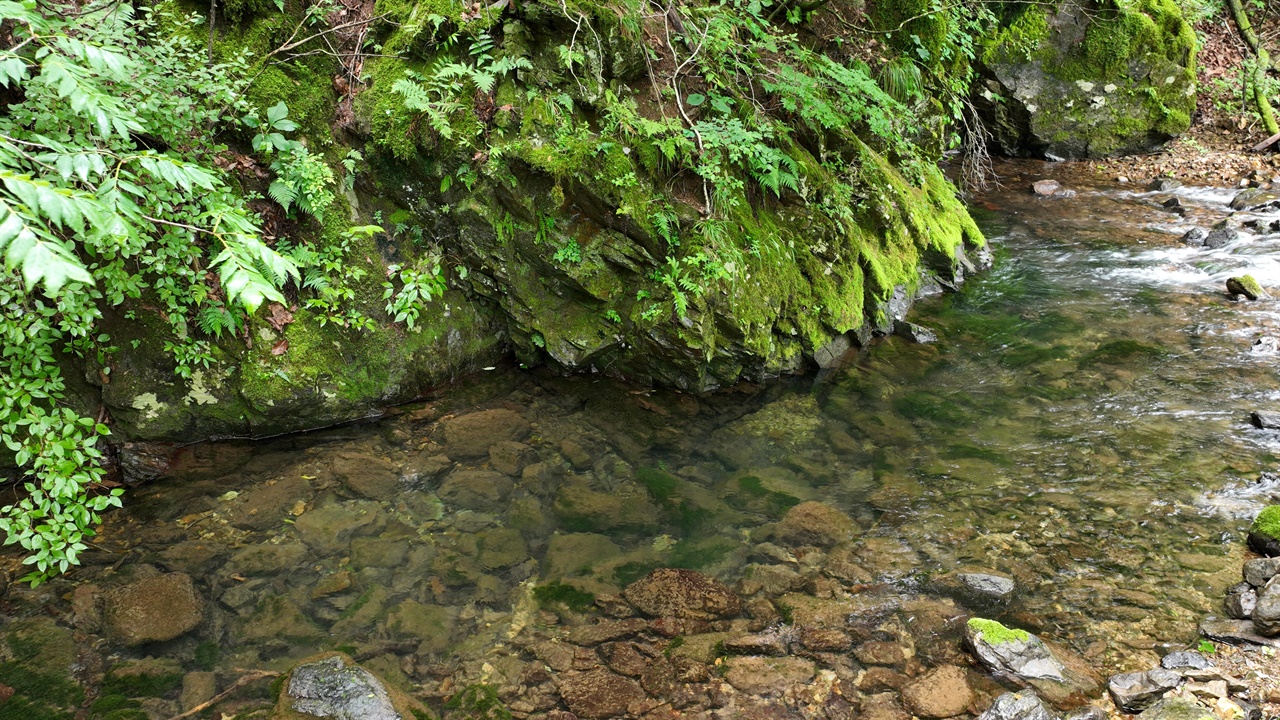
(1121, 350)
(141, 684)
(207, 654)
(699, 554)
(45, 687)
(477, 702)
(995, 633)
(1267, 523)
(558, 593)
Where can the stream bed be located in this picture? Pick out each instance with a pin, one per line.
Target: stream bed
(1081, 427)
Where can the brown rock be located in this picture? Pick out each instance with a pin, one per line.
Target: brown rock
(684, 594)
(880, 652)
(197, 688)
(814, 523)
(883, 706)
(624, 659)
(605, 631)
(765, 643)
(877, 679)
(509, 456)
(1045, 188)
(599, 694)
(369, 475)
(824, 639)
(471, 435)
(153, 609)
(768, 676)
(942, 693)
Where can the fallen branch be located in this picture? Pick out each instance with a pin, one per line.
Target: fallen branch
(1269, 142)
(251, 676)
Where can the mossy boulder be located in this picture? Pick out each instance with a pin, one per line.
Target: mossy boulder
(1264, 533)
(1246, 286)
(1077, 80)
(37, 660)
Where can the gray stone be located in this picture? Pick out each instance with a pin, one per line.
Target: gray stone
(1176, 708)
(1195, 236)
(1163, 184)
(1021, 657)
(1088, 712)
(153, 609)
(1266, 614)
(1234, 631)
(1045, 188)
(984, 591)
(1185, 659)
(329, 688)
(1221, 237)
(1258, 572)
(1023, 705)
(1240, 601)
(914, 333)
(1265, 419)
(1135, 692)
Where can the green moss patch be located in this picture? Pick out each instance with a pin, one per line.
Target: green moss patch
(995, 633)
(1267, 523)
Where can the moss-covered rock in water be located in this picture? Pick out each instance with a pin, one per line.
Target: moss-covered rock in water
(1264, 533)
(1083, 80)
(1246, 286)
(995, 633)
(37, 660)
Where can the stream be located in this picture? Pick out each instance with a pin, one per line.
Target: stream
(1081, 426)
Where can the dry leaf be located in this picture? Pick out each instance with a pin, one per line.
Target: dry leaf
(280, 348)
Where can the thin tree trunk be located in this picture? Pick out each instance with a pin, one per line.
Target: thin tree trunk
(213, 9)
(1260, 66)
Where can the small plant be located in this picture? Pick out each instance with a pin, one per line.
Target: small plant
(419, 285)
(1207, 647)
(302, 179)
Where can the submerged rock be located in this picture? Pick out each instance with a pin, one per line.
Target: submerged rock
(687, 594)
(1023, 705)
(1019, 657)
(153, 609)
(941, 693)
(984, 591)
(914, 333)
(336, 687)
(471, 435)
(1135, 692)
(815, 523)
(600, 694)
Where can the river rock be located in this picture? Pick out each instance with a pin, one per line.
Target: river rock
(1195, 236)
(153, 609)
(1240, 601)
(570, 552)
(685, 594)
(510, 457)
(1045, 188)
(329, 528)
(263, 559)
(1017, 656)
(1246, 286)
(1259, 571)
(623, 507)
(1234, 631)
(470, 435)
(815, 523)
(1177, 708)
(1163, 184)
(431, 625)
(942, 693)
(369, 475)
(1264, 533)
(1088, 712)
(478, 490)
(1265, 419)
(1135, 692)
(984, 591)
(914, 333)
(768, 676)
(1266, 614)
(599, 694)
(1220, 237)
(335, 687)
(1255, 199)
(198, 687)
(501, 548)
(1023, 705)
(1185, 660)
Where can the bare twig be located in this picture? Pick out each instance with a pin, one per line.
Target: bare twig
(251, 676)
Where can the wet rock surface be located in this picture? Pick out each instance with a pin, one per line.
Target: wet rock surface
(152, 609)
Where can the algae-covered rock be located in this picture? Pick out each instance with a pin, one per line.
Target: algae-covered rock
(1019, 657)
(1264, 533)
(1077, 80)
(1247, 286)
(668, 592)
(37, 664)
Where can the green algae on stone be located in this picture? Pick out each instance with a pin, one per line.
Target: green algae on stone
(996, 633)
(1246, 285)
(1267, 523)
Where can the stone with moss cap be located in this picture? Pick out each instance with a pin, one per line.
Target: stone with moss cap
(1264, 534)
(1247, 286)
(1018, 657)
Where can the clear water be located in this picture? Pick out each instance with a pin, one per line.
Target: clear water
(1082, 425)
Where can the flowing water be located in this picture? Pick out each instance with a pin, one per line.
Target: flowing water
(1081, 426)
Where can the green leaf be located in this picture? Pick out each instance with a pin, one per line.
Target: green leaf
(277, 112)
(695, 99)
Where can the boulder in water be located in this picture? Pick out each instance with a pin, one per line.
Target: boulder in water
(1266, 613)
(1246, 286)
(1240, 601)
(1019, 657)
(153, 608)
(470, 435)
(1265, 419)
(668, 592)
(1195, 236)
(982, 590)
(1220, 237)
(941, 693)
(914, 333)
(1163, 184)
(1255, 199)
(1264, 533)
(334, 686)
(1046, 188)
(1023, 705)
(815, 523)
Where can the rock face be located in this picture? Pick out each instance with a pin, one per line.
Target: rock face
(335, 687)
(1077, 83)
(153, 609)
(682, 594)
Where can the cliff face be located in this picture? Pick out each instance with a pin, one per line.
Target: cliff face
(585, 200)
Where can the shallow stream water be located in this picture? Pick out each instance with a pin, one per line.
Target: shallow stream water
(1081, 426)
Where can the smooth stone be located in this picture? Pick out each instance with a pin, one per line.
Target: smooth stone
(1195, 236)
(914, 333)
(768, 676)
(1025, 705)
(328, 529)
(1185, 659)
(1135, 692)
(815, 523)
(984, 591)
(941, 693)
(478, 490)
(1045, 188)
(153, 609)
(1259, 571)
(1240, 601)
